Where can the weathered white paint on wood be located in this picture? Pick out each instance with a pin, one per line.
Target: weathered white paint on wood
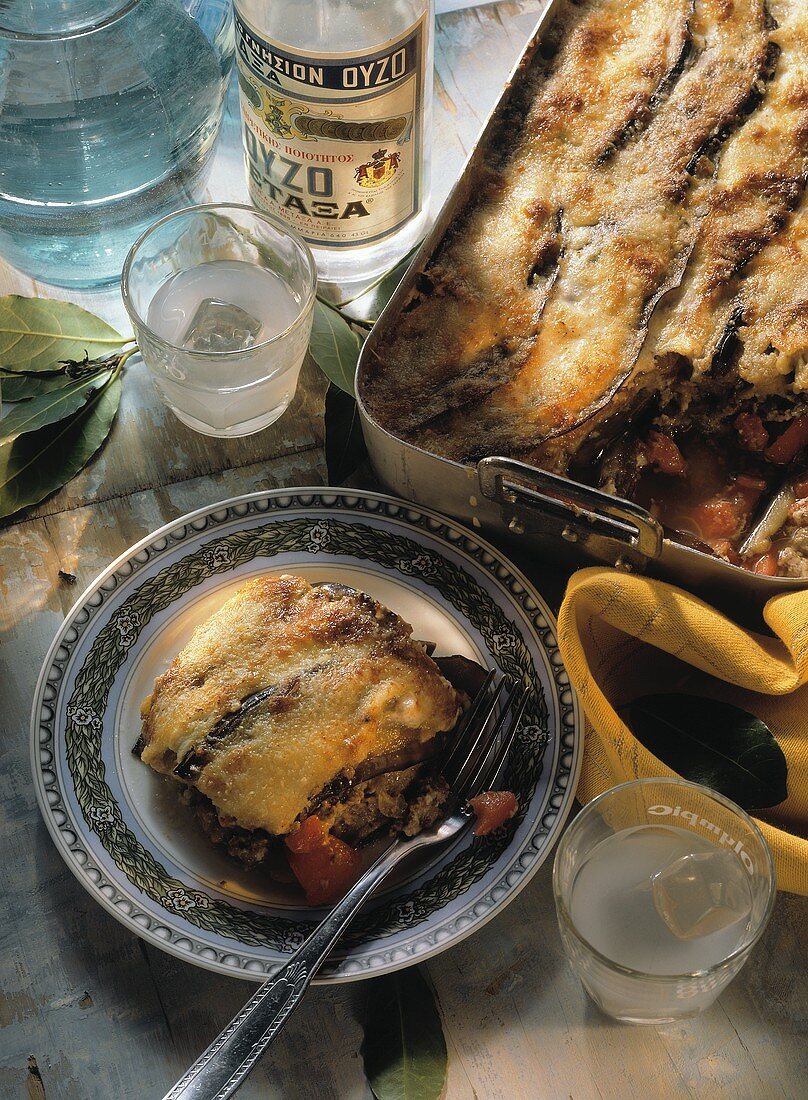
(88, 1012)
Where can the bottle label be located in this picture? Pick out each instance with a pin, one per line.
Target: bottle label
(334, 144)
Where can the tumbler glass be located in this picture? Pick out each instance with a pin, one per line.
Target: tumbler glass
(662, 888)
(222, 298)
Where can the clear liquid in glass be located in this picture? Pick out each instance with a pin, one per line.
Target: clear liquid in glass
(226, 306)
(661, 900)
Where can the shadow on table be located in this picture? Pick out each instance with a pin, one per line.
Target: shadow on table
(129, 1019)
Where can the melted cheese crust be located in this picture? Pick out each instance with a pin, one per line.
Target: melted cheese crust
(341, 680)
(747, 270)
(494, 275)
(690, 222)
(774, 305)
(760, 179)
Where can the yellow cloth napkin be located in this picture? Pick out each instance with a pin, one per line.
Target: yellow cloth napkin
(615, 631)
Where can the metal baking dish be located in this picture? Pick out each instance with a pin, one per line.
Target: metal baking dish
(540, 511)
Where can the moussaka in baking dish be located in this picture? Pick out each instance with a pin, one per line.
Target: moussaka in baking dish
(301, 709)
(625, 297)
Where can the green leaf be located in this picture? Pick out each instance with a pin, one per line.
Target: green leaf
(48, 409)
(368, 306)
(38, 463)
(404, 1049)
(344, 441)
(713, 743)
(35, 333)
(335, 347)
(20, 386)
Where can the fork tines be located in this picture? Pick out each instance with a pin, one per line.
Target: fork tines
(487, 734)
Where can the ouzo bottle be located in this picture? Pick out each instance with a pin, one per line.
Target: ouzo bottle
(336, 101)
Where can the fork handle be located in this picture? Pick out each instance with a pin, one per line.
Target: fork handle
(219, 1071)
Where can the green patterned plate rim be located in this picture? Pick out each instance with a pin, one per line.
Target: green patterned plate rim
(139, 854)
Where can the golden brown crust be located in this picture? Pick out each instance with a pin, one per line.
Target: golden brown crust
(628, 228)
(284, 688)
(761, 178)
(773, 303)
(683, 233)
(492, 280)
(746, 272)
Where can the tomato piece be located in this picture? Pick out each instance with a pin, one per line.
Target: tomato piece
(766, 564)
(746, 491)
(751, 431)
(718, 519)
(725, 549)
(309, 837)
(492, 809)
(663, 454)
(751, 483)
(325, 866)
(788, 445)
(723, 517)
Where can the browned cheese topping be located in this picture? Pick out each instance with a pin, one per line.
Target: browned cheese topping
(649, 205)
(287, 687)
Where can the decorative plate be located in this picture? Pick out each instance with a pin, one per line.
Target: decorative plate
(140, 854)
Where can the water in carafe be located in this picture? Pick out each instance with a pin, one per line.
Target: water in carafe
(108, 115)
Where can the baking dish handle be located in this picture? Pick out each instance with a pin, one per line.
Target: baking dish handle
(528, 496)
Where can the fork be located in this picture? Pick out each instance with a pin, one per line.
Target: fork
(469, 766)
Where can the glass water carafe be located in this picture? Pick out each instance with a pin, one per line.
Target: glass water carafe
(109, 111)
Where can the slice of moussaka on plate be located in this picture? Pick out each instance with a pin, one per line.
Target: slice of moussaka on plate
(624, 298)
(302, 714)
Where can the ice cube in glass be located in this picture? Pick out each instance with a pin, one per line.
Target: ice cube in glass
(219, 326)
(702, 892)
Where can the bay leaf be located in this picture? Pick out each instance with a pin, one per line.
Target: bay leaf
(38, 463)
(48, 408)
(714, 743)
(335, 347)
(344, 442)
(404, 1050)
(36, 333)
(368, 305)
(20, 385)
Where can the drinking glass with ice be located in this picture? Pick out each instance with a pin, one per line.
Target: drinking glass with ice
(222, 298)
(662, 889)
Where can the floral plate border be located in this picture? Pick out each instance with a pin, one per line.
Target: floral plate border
(210, 931)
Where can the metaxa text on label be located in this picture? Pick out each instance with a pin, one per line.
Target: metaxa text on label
(334, 145)
(722, 837)
(293, 185)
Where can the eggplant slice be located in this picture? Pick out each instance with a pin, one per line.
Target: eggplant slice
(388, 793)
(290, 698)
(460, 344)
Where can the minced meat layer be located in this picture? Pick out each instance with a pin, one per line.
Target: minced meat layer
(406, 801)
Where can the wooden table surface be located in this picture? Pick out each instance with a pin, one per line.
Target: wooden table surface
(89, 1011)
